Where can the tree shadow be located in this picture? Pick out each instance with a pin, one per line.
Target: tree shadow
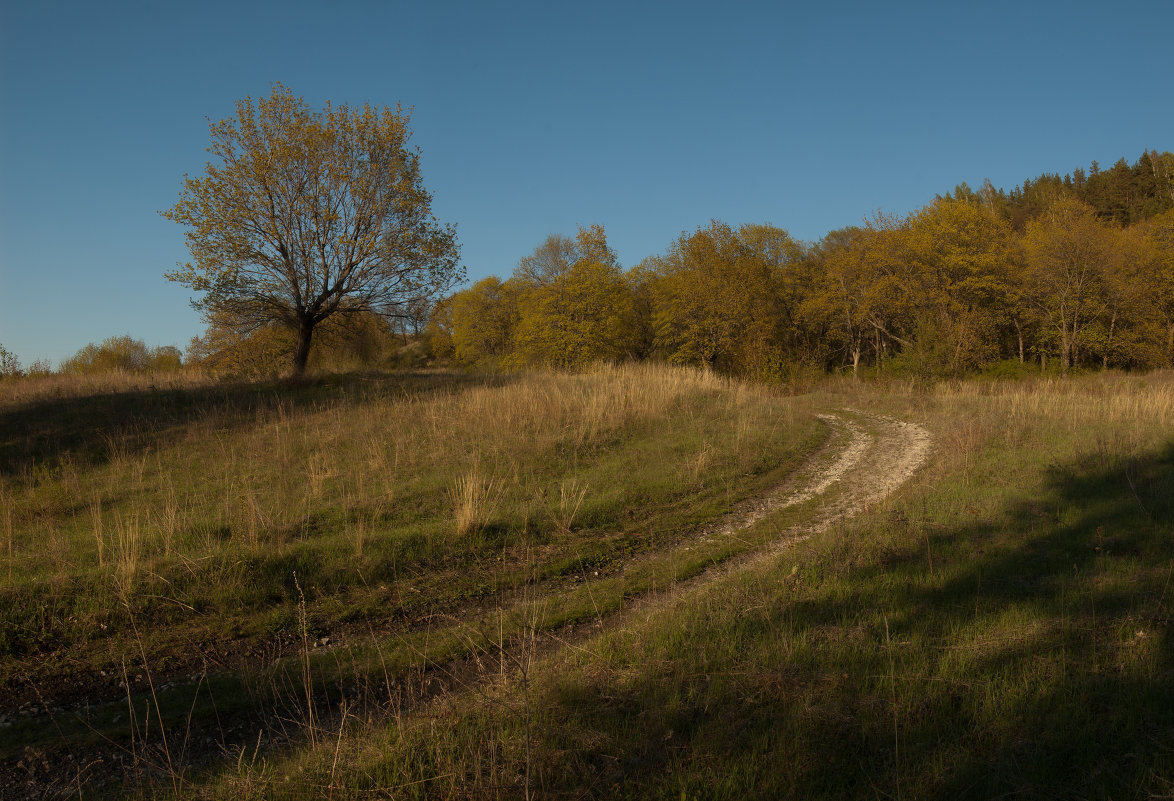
(1037, 663)
(1015, 669)
(91, 430)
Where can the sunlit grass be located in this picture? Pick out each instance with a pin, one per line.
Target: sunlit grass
(1000, 627)
(162, 521)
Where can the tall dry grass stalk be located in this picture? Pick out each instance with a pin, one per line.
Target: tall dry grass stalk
(128, 552)
(570, 498)
(474, 499)
(9, 531)
(168, 520)
(255, 520)
(320, 469)
(98, 529)
(699, 462)
(360, 531)
(307, 673)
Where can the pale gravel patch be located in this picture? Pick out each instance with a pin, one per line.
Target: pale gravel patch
(869, 468)
(814, 478)
(896, 451)
(859, 443)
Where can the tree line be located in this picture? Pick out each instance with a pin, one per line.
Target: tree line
(117, 353)
(317, 222)
(313, 237)
(1063, 273)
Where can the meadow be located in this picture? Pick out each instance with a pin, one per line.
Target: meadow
(441, 585)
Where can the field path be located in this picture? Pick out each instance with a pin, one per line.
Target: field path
(878, 455)
(877, 460)
(864, 460)
(867, 458)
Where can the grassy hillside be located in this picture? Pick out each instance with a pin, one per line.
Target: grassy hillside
(998, 626)
(186, 554)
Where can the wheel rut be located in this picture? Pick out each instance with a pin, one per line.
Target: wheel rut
(867, 457)
(875, 455)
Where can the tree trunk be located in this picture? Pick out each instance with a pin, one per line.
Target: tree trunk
(1109, 342)
(302, 351)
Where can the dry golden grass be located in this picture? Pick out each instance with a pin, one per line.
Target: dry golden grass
(1105, 397)
(954, 611)
(995, 630)
(1112, 414)
(362, 462)
(16, 392)
(474, 500)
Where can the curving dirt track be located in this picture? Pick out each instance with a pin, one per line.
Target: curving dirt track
(882, 454)
(865, 459)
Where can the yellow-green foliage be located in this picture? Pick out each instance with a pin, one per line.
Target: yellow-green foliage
(9, 364)
(1161, 240)
(1069, 253)
(307, 215)
(352, 341)
(717, 301)
(481, 321)
(122, 353)
(965, 264)
(949, 289)
(224, 349)
(567, 305)
(584, 315)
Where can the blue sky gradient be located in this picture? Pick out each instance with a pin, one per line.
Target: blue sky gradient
(533, 118)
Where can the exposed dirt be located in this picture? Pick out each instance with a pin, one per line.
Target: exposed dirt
(866, 459)
(877, 460)
(873, 456)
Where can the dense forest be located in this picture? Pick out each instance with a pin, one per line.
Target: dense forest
(1061, 272)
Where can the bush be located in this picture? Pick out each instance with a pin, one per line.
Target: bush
(343, 342)
(9, 364)
(122, 353)
(1012, 369)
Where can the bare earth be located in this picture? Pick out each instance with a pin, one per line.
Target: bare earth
(866, 458)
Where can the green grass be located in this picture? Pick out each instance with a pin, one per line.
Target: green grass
(225, 529)
(1001, 627)
(998, 627)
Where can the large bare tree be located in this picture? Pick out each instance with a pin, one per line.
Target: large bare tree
(310, 214)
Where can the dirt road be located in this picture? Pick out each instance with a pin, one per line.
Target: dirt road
(865, 459)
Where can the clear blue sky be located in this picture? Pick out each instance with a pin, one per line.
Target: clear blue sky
(533, 118)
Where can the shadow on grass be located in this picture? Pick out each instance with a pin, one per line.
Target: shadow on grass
(1037, 662)
(93, 429)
